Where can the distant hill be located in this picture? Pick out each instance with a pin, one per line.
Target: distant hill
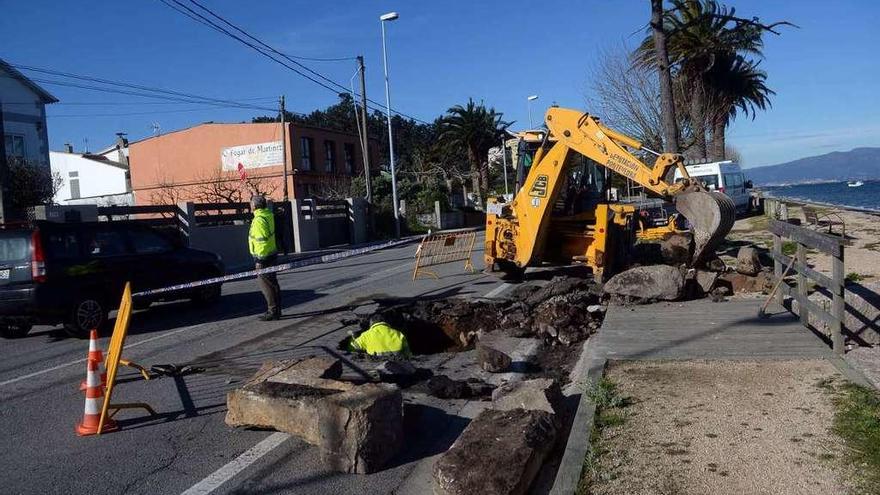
(859, 163)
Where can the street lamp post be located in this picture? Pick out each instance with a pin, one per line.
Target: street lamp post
(530, 99)
(390, 16)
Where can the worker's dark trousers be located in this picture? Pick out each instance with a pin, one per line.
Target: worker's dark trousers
(268, 283)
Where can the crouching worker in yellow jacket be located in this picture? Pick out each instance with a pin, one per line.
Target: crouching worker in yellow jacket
(380, 339)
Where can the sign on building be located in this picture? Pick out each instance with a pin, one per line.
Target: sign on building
(252, 156)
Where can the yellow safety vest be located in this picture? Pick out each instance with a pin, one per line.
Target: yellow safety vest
(379, 339)
(261, 237)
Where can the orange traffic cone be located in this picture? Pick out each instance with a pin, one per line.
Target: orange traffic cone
(94, 401)
(96, 355)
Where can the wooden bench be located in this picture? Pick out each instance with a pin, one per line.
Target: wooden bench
(830, 219)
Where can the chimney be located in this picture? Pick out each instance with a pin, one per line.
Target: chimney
(68, 148)
(121, 145)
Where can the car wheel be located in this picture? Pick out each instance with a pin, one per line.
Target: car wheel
(14, 331)
(207, 295)
(88, 313)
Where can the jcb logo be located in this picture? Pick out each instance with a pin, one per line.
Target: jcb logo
(539, 188)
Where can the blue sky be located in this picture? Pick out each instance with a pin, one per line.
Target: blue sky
(825, 73)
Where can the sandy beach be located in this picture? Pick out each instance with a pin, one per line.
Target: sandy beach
(862, 253)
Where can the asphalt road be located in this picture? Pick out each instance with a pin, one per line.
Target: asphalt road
(188, 446)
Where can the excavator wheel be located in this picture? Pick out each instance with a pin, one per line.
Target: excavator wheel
(711, 216)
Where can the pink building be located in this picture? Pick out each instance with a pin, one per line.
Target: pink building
(206, 163)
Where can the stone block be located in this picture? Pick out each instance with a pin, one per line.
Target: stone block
(647, 283)
(357, 428)
(540, 394)
(747, 261)
(676, 249)
(499, 453)
(492, 359)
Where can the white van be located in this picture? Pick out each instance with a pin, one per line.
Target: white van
(726, 177)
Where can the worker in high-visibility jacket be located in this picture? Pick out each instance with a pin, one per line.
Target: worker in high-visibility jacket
(380, 340)
(261, 243)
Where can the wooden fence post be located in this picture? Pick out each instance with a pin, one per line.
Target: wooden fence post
(803, 312)
(777, 266)
(838, 304)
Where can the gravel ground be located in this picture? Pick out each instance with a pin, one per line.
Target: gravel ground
(721, 427)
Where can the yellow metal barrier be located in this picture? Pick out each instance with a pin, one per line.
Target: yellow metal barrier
(114, 359)
(436, 249)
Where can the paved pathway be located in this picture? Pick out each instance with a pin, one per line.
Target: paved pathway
(703, 329)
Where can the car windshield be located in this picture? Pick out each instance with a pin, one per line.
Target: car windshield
(14, 248)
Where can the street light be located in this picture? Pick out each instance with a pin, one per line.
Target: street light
(529, 104)
(390, 16)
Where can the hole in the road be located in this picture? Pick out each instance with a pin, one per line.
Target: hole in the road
(443, 325)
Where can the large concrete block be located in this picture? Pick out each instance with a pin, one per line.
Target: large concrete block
(358, 428)
(499, 453)
(540, 394)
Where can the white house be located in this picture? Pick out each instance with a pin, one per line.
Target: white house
(23, 109)
(91, 179)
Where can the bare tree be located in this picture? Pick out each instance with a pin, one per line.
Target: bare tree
(227, 187)
(333, 188)
(626, 96)
(166, 192)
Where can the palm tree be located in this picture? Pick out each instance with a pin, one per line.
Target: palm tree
(660, 55)
(475, 129)
(737, 86)
(699, 35)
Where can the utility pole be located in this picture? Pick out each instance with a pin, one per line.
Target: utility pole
(4, 172)
(284, 149)
(504, 161)
(365, 141)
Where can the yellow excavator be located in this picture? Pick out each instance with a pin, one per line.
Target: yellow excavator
(564, 211)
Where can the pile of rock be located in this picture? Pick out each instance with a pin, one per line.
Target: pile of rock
(565, 310)
(671, 282)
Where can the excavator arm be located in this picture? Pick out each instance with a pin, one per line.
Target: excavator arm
(523, 232)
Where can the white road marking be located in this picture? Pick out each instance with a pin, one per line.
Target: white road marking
(237, 465)
(498, 290)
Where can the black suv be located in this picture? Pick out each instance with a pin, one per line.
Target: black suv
(74, 273)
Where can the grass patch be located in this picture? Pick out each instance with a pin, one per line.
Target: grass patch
(605, 395)
(609, 414)
(854, 277)
(789, 248)
(857, 422)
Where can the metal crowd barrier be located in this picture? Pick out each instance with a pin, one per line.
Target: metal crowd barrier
(436, 249)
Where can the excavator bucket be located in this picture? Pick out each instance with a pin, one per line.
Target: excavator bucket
(711, 216)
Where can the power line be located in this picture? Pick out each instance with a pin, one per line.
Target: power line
(125, 114)
(123, 84)
(130, 103)
(263, 51)
(272, 49)
(147, 95)
(168, 99)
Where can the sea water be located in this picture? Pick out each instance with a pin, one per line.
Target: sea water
(866, 196)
